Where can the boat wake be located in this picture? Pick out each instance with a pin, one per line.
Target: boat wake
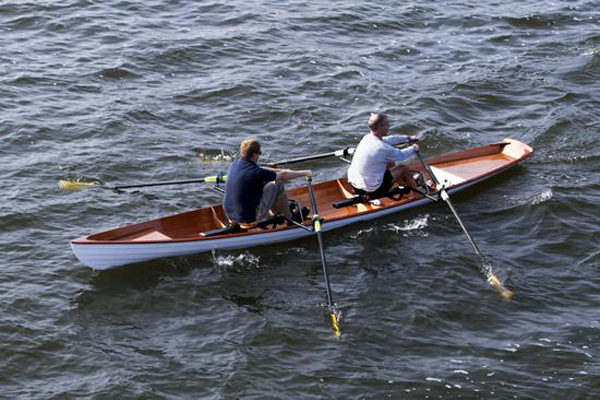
(239, 263)
(592, 259)
(362, 232)
(413, 227)
(544, 196)
(409, 228)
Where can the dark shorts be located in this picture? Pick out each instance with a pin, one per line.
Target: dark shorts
(382, 190)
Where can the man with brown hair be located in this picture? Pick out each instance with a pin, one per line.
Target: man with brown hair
(252, 192)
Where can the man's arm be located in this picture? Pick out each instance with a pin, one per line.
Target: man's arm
(398, 155)
(284, 175)
(395, 140)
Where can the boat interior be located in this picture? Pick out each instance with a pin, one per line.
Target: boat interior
(451, 170)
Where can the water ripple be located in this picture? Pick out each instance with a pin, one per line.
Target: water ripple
(135, 92)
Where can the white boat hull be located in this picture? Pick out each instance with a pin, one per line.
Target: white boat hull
(105, 256)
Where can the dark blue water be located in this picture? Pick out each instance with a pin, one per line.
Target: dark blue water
(141, 91)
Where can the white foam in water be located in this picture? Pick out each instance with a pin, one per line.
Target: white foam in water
(240, 260)
(362, 232)
(591, 53)
(542, 197)
(416, 224)
(202, 157)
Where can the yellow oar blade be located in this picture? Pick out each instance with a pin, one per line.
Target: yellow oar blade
(336, 325)
(500, 288)
(75, 185)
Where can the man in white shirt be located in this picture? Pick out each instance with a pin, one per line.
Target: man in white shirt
(373, 170)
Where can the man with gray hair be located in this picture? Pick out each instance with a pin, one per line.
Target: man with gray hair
(373, 170)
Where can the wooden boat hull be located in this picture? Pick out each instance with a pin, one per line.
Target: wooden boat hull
(181, 234)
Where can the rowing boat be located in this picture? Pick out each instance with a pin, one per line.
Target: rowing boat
(187, 233)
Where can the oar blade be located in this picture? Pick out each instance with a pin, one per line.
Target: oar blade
(75, 185)
(499, 287)
(336, 320)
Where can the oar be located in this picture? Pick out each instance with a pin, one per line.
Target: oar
(486, 268)
(338, 153)
(317, 226)
(77, 185)
(348, 151)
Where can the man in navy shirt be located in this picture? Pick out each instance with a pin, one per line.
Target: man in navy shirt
(251, 191)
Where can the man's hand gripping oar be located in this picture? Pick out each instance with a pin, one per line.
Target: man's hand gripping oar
(485, 267)
(317, 222)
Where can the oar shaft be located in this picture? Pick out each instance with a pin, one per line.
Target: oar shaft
(210, 179)
(446, 198)
(317, 224)
(484, 267)
(324, 262)
(473, 244)
(338, 153)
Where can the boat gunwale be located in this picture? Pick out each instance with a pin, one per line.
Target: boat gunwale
(83, 240)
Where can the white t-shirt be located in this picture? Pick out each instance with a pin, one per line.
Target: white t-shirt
(371, 157)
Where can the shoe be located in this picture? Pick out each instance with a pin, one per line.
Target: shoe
(296, 213)
(430, 186)
(421, 183)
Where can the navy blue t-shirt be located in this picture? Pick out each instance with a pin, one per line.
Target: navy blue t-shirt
(244, 188)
